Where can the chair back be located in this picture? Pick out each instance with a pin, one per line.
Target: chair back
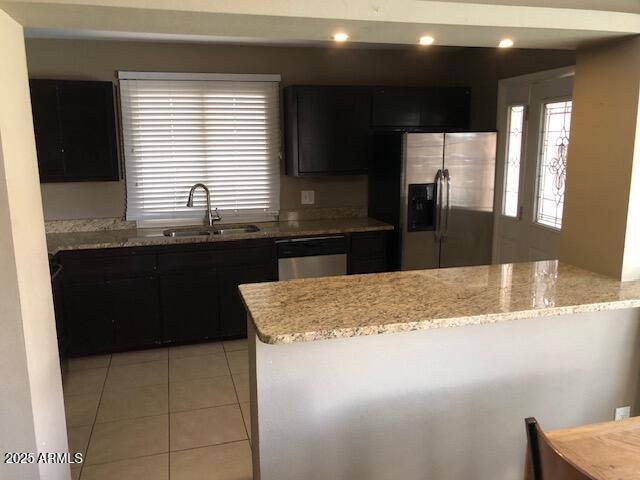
(544, 462)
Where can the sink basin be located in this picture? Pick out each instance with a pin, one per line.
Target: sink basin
(189, 232)
(236, 229)
(206, 231)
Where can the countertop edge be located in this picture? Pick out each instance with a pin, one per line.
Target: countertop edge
(155, 241)
(439, 323)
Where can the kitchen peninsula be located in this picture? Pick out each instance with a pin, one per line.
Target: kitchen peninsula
(466, 355)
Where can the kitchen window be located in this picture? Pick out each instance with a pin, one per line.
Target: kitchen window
(182, 129)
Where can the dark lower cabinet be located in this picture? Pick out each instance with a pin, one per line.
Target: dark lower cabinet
(88, 317)
(190, 305)
(232, 311)
(136, 313)
(112, 315)
(368, 252)
(123, 299)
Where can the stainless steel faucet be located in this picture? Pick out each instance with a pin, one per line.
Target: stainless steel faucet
(215, 217)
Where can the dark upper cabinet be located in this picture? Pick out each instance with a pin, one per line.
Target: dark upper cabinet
(434, 108)
(75, 130)
(327, 130)
(396, 107)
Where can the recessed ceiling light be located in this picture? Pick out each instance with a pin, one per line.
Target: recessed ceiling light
(505, 43)
(427, 40)
(341, 37)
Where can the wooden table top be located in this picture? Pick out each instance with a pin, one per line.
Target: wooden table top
(606, 451)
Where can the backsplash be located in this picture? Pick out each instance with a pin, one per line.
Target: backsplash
(104, 224)
(87, 225)
(323, 212)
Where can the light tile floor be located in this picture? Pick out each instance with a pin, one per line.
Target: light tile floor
(179, 413)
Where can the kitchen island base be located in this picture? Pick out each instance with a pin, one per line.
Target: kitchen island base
(437, 404)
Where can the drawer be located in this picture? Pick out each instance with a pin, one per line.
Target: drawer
(368, 265)
(89, 266)
(260, 254)
(365, 245)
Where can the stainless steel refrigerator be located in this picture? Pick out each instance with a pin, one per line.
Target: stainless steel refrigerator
(444, 186)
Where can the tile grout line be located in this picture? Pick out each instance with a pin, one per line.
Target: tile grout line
(95, 418)
(235, 389)
(110, 364)
(168, 452)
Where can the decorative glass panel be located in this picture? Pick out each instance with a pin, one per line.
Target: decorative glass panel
(552, 164)
(512, 168)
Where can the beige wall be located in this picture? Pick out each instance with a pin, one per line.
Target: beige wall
(600, 228)
(91, 59)
(31, 406)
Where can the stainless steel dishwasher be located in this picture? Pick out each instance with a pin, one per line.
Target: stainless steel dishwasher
(312, 257)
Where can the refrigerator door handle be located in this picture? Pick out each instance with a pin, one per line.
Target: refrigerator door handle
(445, 230)
(439, 186)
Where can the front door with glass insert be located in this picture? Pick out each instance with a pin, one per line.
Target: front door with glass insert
(535, 137)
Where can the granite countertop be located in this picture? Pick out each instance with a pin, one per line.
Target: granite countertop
(332, 307)
(153, 236)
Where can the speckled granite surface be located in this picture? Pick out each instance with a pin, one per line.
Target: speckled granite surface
(153, 236)
(349, 306)
(87, 225)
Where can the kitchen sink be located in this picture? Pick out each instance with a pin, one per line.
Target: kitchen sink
(231, 229)
(206, 231)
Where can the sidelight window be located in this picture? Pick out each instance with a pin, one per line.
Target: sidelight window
(552, 163)
(513, 158)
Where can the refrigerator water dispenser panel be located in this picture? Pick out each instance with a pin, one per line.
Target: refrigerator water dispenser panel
(421, 207)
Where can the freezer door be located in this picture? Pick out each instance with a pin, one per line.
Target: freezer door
(422, 160)
(469, 166)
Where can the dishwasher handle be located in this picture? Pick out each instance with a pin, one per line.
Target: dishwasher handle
(312, 246)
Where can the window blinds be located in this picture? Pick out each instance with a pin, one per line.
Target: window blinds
(222, 131)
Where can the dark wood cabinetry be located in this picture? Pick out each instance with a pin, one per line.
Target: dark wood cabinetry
(368, 252)
(122, 299)
(231, 306)
(327, 130)
(75, 130)
(190, 305)
(437, 108)
(127, 298)
(110, 301)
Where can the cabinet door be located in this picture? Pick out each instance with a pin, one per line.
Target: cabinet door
(368, 252)
(136, 310)
(397, 107)
(46, 128)
(88, 317)
(88, 130)
(333, 131)
(233, 315)
(190, 305)
(446, 108)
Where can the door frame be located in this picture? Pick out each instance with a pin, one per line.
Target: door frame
(515, 91)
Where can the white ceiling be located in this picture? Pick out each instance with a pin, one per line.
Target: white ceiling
(309, 22)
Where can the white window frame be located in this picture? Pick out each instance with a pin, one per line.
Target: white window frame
(505, 146)
(540, 140)
(175, 76)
